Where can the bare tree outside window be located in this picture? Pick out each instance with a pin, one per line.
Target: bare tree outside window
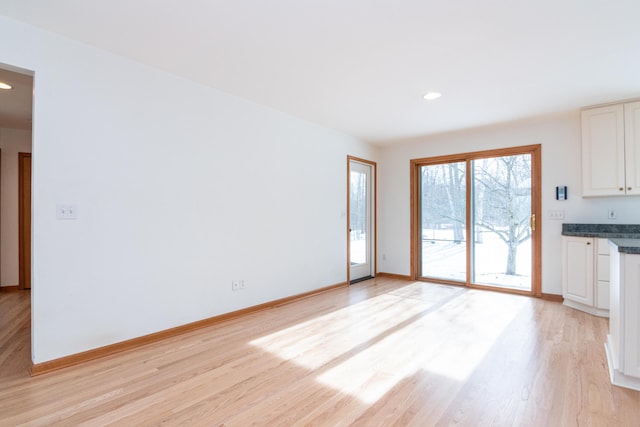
(443, 218)
(358, 217)
(502, 189)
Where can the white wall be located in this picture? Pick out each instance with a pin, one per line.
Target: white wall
(560, 139)
(179, 190)
(12, 142)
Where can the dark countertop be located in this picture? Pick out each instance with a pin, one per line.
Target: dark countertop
(627, 246)
(626, 237)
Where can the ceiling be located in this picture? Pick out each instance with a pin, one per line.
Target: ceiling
(362, 66)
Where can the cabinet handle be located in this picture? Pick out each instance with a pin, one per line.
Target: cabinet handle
(628, 188)
(621, 189)
(588, 243)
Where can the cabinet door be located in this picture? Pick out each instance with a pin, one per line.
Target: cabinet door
(577, 269)
(602, 275)
(603, 249)
(632, 146)
(615, 310)
(631, 315)
(603, 157)
(602, 295)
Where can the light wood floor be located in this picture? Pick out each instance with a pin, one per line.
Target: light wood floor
(382, 352)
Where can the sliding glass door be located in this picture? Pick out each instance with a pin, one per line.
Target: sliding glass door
(502, 221)
(475, 219)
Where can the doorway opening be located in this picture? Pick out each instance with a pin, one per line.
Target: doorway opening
(474, 219)
(16, 111)
(361, 219)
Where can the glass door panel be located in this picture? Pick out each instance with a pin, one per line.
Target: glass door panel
(360, 220)
(501, 222)
(442, 240)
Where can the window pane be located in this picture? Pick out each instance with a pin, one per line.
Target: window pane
(443, 221)
(358, 218)
(501, 250)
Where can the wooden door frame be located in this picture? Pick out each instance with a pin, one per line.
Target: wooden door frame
(374, 212)
(536, 209)
(1, 254)
(22, 216)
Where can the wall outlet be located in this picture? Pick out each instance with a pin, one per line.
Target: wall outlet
(611, 214)
(555, 214)
(237, 285)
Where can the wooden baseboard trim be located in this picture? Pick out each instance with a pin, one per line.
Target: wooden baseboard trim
(552, 297)
(10, 288)
(96, 353)
(394, 276)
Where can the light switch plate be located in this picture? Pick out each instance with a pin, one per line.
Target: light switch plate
(557, 214)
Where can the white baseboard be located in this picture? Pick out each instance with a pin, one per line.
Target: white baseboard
(618, 378)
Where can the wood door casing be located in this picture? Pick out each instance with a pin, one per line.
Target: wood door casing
(24, 215)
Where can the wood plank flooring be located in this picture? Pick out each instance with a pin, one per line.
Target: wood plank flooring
(380, 353)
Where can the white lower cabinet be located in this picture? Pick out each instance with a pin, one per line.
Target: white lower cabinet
(623, 342)
(585, 274)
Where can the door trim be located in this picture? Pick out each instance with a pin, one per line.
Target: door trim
(1, 254)
(24, 218)
(536, 248)
(374, 211)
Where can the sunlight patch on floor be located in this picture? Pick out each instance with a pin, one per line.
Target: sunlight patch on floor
(420, 327)
(319, 341)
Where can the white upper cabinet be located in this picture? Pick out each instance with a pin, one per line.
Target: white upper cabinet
(632, 146)
(611, 150)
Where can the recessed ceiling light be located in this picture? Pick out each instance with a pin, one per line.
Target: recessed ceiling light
(5, 86)
(429, 96)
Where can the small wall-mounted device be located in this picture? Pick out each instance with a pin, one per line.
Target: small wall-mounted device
(561, 193)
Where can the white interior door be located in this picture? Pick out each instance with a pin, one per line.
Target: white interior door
(361, 235)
